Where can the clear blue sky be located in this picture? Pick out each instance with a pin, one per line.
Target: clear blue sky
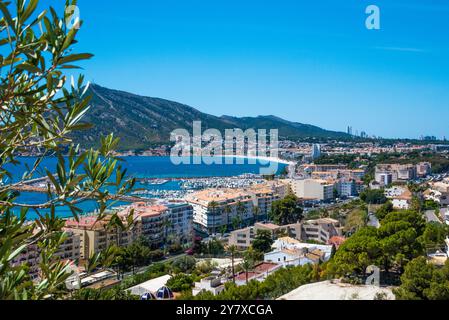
(307, 61)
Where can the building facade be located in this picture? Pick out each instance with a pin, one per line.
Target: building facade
(167, 222)
(215, 209)
(69, 250)
(322, 190)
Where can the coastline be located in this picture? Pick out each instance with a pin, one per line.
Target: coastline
(262, 158)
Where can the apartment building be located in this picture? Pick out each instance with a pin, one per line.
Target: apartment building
(165, 222)
(280, 187)
(321, 167)
(388, 173)
(383, 178)
(96, 236)
(320, 230)
(356, 174)
(423, 169)
(263, 196)
(160, 223)
(243, 238)
(216, 208)
(68, 250)
(347, 188)
(316, 189)
(180, 221)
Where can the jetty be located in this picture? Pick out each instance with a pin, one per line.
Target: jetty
(40, 185)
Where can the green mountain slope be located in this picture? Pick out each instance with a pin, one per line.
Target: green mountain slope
(142, 122)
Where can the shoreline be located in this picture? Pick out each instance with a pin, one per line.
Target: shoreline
(259, 158)
(262, 158)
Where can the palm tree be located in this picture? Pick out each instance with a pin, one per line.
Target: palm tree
(236, 222)
(246, 265)
(166, 224)
(212, 208)
(248, 261)
(241, 210)
(223, 230)
(227, 210)
(256, 212)
(232, 251)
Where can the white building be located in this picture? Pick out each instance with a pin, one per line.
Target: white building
(292, 244)
(288, 257)
(400, 197)
(168, 219)
(216, 208)
(150, 286)
(317, 189)
(438, 192)
(211, 284)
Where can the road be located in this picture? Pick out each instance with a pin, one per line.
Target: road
(143, 269)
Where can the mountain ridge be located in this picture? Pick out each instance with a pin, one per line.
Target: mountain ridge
(142, 122)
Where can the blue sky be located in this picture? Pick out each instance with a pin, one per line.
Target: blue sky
(307, 61)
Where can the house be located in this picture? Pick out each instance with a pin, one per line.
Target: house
(438, 192)
(212, 284)
(285, 243)
(291, 257)
(401, 197)
(336, 241)
(289, 243)
(291, 252)
(259, 273)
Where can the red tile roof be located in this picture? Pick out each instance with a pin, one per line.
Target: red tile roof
(336, 241)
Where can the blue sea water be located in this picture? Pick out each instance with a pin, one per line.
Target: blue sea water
(139, 167)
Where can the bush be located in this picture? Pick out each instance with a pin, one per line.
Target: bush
(175, 248)
(184, 264)
(156, 255)
(205, 267)
(154, 271)
(181, 282)
(373, 196)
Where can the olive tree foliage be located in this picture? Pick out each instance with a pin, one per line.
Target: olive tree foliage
(39, 109)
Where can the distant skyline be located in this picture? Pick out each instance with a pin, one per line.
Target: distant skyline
(310, 62)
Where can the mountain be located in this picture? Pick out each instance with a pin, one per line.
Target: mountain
(142, 122)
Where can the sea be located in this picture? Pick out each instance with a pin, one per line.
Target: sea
(141, 167)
